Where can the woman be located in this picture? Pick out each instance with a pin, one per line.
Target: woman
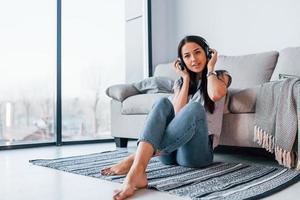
(178, 132)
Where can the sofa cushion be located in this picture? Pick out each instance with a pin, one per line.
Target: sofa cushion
(120, 92)
(288, 63)
(141, 103)
(242, 101)
(248, 70)
(166, 70)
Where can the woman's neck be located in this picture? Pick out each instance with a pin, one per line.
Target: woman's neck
(199, 75)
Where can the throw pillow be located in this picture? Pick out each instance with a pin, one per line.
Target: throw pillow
(154, 85)
(120, 92)
(288, 63)
(248, 70)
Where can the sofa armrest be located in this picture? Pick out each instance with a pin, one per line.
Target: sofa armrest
(120, 92)
(242, 101)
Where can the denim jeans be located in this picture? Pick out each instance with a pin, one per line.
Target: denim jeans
(182, 138)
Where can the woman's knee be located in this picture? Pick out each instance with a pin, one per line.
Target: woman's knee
(163, 102)
(196, 109)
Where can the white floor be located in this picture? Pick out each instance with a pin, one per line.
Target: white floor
(21, 180)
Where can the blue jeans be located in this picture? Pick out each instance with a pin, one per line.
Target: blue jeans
(182, 138)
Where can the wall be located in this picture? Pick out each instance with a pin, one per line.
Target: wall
(163, 31)
(233, 27)
(134, 56)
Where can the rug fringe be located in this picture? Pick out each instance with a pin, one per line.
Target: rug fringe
(283, 157)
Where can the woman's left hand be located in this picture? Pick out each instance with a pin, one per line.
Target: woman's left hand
(212, 61)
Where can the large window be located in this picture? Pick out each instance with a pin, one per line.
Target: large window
(92, 57)
(27, 65)
(93, 43)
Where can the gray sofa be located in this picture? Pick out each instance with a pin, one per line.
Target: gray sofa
(129, 107)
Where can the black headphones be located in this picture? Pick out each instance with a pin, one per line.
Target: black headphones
(208, 53)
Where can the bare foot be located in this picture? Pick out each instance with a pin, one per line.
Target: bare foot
(120, 168)
(135, 180)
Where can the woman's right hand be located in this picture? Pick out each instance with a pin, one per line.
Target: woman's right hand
(183, 73)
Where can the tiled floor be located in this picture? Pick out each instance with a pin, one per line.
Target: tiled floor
(21, 180)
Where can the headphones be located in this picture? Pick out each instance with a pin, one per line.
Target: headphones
(208, 53)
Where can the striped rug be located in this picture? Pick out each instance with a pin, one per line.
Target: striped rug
(218, 181)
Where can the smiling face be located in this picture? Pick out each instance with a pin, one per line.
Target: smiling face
(194, 57)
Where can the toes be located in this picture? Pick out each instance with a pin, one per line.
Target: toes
(105, 171)
(123, 194)
(119, 195)
(116, 194)
(110, 174)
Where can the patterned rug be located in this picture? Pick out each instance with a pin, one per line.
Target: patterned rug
(218, 181)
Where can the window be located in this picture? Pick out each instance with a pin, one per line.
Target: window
(93, 57)
(91, 48)
(27, 64)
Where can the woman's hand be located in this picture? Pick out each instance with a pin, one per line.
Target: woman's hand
(212, 61)
(181, 94)
(183, 73)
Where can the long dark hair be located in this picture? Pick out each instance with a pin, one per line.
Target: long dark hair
(209, 105)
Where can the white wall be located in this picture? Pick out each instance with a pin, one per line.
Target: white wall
(163, 31)
(233, 27)
(136, 47)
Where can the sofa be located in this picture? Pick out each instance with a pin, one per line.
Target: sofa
(129, 107)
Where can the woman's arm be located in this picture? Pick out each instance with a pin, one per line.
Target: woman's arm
(181, 95)
(216, 85)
